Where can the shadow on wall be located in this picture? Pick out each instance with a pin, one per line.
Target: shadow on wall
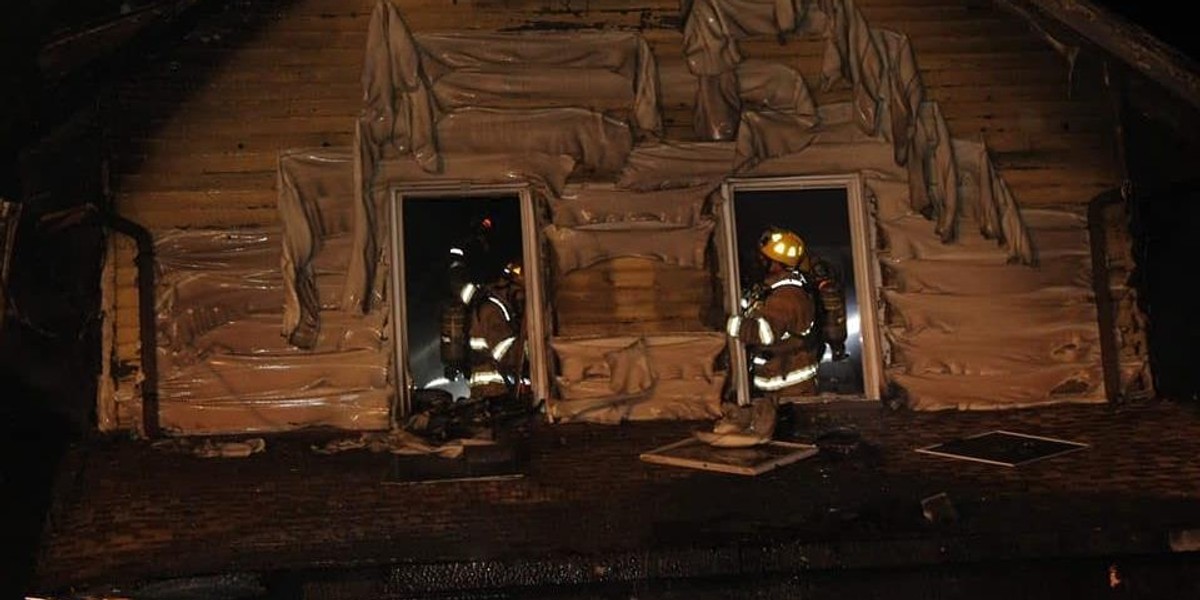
(223, 26)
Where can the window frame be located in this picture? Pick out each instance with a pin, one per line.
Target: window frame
(866, 273)
(535, 325)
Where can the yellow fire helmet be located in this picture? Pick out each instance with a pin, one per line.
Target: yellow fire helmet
(513, 271)
(783, 246)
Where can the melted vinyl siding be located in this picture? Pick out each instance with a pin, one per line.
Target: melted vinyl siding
(195, 137)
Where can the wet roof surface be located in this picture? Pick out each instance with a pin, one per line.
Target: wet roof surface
(123, 511)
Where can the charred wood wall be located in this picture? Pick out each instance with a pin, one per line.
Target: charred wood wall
(194, 138)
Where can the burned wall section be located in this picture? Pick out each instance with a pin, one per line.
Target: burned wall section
(1144, 218)
(1166, 249)
(52, 335)
(1163, 149)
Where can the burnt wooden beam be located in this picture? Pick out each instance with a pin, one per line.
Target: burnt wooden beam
(71, 50)
(1129, 42)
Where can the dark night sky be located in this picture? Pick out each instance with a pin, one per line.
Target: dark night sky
(1168, 25)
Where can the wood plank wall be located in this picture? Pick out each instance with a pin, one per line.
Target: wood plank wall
(635, 296)
(194, 138)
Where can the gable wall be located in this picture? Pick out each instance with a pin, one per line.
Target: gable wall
(194, 139)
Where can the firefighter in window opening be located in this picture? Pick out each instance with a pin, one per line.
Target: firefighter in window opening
(496, 335)
(466, 254)
(786, 322)
(462, 254)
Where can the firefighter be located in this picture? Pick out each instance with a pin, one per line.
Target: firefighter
(461, 261)
(468, 251)
(496, 334)
(831, 307)
(778, 322)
